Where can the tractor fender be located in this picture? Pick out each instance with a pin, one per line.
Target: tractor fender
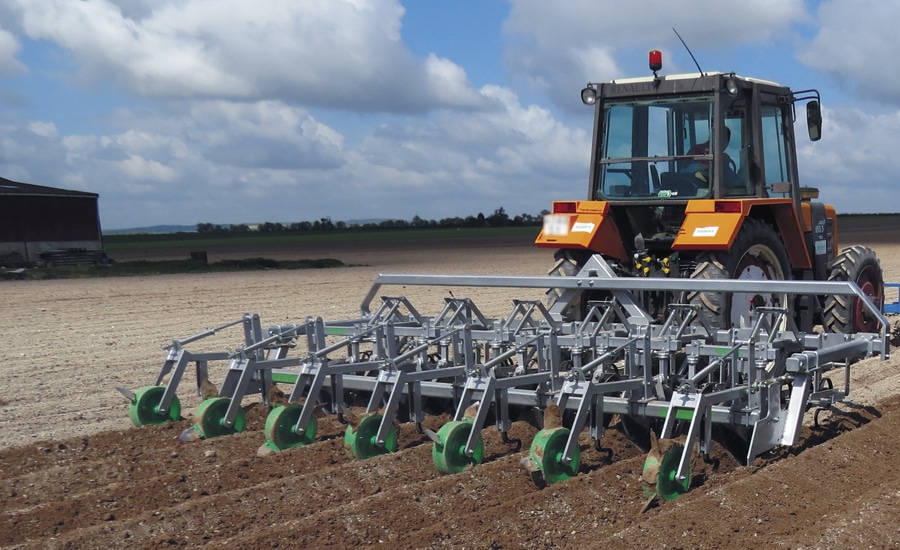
(583, 225)
(713, 225)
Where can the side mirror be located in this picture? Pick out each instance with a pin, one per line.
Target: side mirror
(814, 120)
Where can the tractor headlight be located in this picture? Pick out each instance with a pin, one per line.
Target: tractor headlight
(589, 95)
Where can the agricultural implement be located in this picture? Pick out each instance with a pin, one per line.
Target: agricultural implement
(678, 377)
(698, 294)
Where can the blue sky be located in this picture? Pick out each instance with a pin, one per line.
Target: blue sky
(228, 111)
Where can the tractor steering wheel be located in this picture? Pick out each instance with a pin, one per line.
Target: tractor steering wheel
(732, 165)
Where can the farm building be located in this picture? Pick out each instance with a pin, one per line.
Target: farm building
(48, 226)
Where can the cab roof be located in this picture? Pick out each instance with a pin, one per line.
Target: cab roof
(690, 76)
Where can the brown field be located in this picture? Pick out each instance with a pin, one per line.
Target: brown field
(76, 474)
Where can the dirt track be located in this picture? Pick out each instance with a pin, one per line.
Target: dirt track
(75, 474)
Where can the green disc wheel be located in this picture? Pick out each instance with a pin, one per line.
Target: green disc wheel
(210, 419)
(144, 409)
(449, 455)
(280, 424)
(668, 487)
(361, 441)
(547, 452)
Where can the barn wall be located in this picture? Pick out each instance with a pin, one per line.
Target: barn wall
(33, 224)
(31, 251)
(48, 218)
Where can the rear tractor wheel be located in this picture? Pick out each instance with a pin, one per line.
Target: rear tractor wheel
(756, 254)
(848, 314)
(569, 263)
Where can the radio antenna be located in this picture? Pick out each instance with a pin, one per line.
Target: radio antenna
(688, 50)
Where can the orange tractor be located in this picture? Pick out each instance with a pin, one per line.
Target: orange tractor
(696, 176)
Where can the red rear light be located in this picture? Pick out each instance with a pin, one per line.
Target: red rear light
(565, 207)
(729, 206)
(655, 60)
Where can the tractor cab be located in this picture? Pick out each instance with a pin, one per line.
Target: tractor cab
(671, 139)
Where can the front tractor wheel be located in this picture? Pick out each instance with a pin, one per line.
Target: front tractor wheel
(757, 254)
(847, 314)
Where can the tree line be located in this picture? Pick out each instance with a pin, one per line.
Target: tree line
(499, 218)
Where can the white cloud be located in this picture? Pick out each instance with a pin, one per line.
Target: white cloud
(9, 48)
(558, 46)
(449, 83)
(855, 162)
(43, 129)
(335, 53)
(233, 162)
(227, 129)
(710, 23)
(136, 168)
(855, 44)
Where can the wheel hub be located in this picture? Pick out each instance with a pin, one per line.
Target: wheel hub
(752, 268)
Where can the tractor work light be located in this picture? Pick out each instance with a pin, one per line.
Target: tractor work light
(655, 61)
(731, 86)
(589, 94)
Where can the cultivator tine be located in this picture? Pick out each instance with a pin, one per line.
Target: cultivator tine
(129, 395)
(432, 435)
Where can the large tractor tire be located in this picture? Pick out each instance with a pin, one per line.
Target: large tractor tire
(568, 263)
(756, 254)
(847, 314)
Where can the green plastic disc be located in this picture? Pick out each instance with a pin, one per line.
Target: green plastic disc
(449, 455)
(280, 424)
(361, 441)
(209, 421)
(547, 452)
(145, 407)
(668, 487)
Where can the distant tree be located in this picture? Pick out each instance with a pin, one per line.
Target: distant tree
(269, 227)
(499, 218)
(393, 224)
(526, 219)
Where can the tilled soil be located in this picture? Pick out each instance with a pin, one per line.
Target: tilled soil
(76, 474)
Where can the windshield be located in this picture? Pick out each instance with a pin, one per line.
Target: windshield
(658, 148)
